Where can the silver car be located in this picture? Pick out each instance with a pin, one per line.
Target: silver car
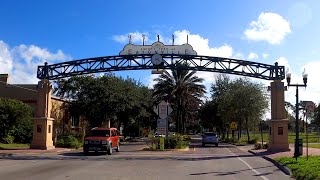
(210, 138)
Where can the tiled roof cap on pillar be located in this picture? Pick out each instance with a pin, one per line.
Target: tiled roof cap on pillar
(4, 78)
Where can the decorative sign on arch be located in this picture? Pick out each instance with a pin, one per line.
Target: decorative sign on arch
(158, 48)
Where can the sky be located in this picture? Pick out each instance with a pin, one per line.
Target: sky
(33, 32)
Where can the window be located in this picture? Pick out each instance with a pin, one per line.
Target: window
(113, 133)
(49, 129)
(100, 133)
(210, 134)
(75, 120)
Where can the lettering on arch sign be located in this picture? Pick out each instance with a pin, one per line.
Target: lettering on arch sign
(158, 48)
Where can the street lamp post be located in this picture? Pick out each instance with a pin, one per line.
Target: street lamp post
(305, 77)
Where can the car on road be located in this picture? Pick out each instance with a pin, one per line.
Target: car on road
(102, 140)
(210, 138)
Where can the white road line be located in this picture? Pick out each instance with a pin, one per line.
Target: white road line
(250, 167)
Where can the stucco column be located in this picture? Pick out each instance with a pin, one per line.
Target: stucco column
(278, 127)
(43, 124)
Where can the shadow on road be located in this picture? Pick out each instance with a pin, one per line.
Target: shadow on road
(231, 172)
(80, 156)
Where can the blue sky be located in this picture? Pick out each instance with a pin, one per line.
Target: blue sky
(287, 31)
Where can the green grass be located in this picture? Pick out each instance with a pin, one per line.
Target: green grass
(312, 137)
(13, 146)
(313, 145)
(303, 168)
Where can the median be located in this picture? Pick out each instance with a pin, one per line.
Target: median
(172, 143)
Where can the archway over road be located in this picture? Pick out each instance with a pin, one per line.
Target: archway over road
(160, 56)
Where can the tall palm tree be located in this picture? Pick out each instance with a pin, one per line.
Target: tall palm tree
(182, 87)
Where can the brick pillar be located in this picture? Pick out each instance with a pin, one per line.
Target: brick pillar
(278, 127)
(43, 124)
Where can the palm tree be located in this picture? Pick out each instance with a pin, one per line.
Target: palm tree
(180, 88)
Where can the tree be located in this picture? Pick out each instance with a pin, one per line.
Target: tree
(100, 99)
(210, 118)
(16, 121)
(182, 86)
(316, 116)
(239, 100)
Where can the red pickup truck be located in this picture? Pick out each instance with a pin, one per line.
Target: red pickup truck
(102, 140)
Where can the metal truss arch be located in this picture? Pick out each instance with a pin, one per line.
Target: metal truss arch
(143, 62)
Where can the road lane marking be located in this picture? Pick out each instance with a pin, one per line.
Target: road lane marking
(248, 165)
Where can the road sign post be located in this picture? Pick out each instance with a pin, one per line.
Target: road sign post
(233, 127)
(161, 144)
(163, 110)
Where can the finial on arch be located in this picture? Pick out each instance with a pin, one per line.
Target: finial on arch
(129, 36)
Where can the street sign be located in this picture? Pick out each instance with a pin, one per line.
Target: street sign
(162, 130)
(310, 106)
(163, 112)
(163, 109)
(162, 123)
(233, 125)
(169, 110)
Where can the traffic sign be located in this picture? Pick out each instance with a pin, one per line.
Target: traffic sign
(162, 123)
(233, 125)
(162, 130)
(163, 110)
(310, 106)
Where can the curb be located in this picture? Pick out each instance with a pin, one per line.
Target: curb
(282, 167)
(5, 154)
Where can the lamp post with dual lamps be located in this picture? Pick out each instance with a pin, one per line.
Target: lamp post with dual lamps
(305, 78)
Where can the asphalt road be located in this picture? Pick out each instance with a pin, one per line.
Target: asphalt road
(223, 162)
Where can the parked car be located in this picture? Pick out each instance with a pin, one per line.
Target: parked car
(102, 140)
(210, 138)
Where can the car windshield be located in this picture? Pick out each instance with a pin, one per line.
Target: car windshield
(101, 133)
(210, 134)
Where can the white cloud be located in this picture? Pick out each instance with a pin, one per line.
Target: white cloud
(282, 61)
(253, 56)
(238, 56)
(265, 56)
(136, 37)
(26, 58)
(312, 92)
(270, 27)
(5, 58)
(201, 45)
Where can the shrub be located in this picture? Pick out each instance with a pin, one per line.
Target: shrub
(69, 141)
(257, 146)
(15, 120)
(8, 139)
(253, 141)
(171, 142)
(265, 146)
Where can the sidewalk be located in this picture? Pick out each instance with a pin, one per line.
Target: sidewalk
(264, 152)
(25, 151)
